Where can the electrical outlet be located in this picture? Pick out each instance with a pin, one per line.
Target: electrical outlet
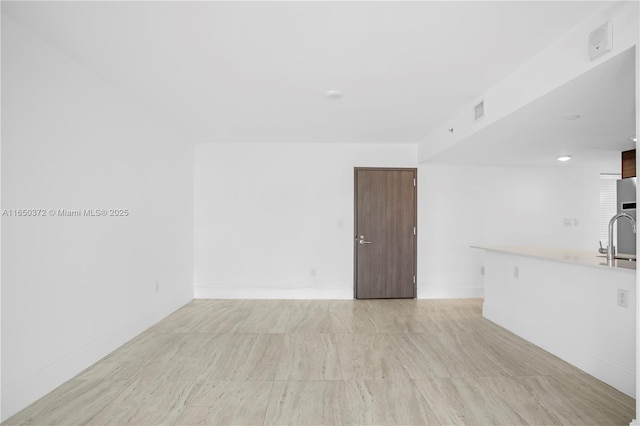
(482, 270)
(623, 298)
(313, 272)
(157, 286)
(516, 272)
(576, 221)
(567, 221)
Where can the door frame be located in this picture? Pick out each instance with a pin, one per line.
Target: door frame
(355, 223)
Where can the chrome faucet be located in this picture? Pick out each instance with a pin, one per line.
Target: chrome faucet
(611, 249)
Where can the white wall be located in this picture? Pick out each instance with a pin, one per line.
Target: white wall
(460, 206)
(1, 417)
(75, 288)
(266, 216)
(276, 221)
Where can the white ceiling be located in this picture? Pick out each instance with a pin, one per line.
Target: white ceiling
(537, 134)
(258, 71)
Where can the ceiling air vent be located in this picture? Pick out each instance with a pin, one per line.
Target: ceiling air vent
(478, 110)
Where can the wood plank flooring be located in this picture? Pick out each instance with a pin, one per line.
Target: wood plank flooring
(286, 362)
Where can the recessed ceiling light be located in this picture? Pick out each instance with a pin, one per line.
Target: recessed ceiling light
(571, 117)
(564, 158)
(334, 94)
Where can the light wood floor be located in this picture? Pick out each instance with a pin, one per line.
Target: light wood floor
(330, 362)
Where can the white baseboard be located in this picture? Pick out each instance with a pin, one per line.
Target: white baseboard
(451, 293)
(341, 293)
(206, 292)
(29, 390)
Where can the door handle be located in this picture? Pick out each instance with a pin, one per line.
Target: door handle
(362, 241)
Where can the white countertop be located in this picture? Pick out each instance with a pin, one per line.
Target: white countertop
(577, 257)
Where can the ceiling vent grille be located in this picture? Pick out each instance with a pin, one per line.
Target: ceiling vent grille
(478, 110)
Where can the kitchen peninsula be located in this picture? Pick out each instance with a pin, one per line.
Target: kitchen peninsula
(571, 303)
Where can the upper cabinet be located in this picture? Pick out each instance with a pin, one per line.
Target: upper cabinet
(629, 164)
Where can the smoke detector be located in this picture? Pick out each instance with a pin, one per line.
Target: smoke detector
(600, 41)
(334, 94)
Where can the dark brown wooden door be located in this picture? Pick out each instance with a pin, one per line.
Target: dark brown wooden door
(385, 240)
